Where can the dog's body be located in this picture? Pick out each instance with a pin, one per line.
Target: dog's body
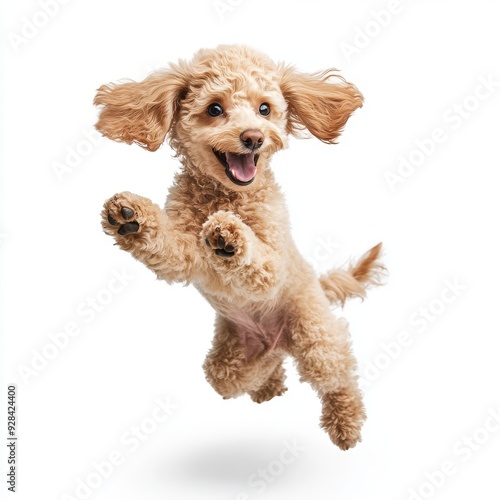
(225, 227)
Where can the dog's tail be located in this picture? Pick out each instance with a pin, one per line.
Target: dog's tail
(342, 284)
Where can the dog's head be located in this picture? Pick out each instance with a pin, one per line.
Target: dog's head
(227, 111)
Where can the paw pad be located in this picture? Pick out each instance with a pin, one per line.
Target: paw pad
(126, 214)
(128, 228)
(224, 235)
(222, 249)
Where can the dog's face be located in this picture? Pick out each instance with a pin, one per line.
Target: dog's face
(227, 111)
(232, 116)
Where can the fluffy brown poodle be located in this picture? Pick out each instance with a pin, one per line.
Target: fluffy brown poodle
(225, 226)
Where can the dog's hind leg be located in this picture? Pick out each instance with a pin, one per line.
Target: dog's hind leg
(321, 346)
(273, 386)
(231, 371)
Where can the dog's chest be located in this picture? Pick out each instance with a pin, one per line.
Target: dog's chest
(190, 203)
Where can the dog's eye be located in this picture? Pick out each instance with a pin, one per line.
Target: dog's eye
(215, 110)
(264, 109)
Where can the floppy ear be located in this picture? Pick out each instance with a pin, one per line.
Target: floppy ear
(141, 112)
(320, 102)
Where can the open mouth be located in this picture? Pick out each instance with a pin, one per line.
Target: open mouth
(240, 168)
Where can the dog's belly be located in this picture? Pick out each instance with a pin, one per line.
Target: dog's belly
(258, 333)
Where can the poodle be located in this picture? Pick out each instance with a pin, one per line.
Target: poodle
(225, 227)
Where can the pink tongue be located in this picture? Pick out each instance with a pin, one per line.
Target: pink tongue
(242, 167)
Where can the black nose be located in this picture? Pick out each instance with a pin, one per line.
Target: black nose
(252, 139)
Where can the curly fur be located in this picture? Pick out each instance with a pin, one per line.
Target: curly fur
(225, 227)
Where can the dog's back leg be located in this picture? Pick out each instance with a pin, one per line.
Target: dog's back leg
(232, 370)
(273, 386)
(320, 344)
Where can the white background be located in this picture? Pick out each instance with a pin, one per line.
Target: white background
(149, 341)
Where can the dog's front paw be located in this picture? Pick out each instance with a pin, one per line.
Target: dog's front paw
(129, 217)
(225, 235)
